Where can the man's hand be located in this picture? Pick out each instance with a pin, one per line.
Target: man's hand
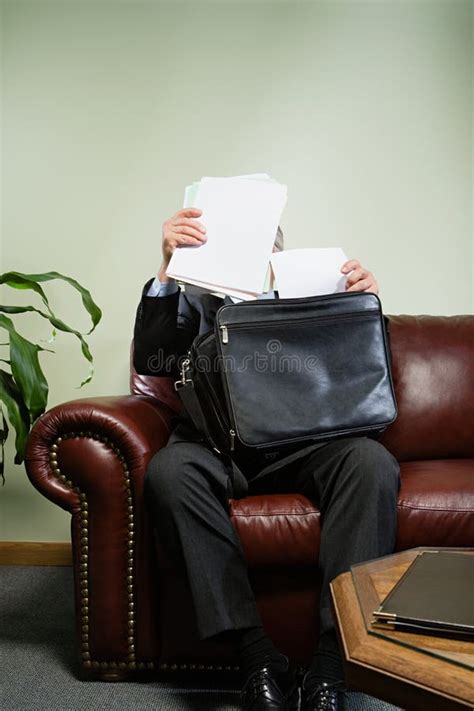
(181, 230)
(359, 279)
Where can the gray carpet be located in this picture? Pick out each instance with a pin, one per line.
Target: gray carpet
(38, 666)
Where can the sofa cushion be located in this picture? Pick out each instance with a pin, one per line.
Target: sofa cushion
(435, 508)
(436, 504)
(277, 529)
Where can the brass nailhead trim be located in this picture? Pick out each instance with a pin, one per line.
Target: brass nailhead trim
(165, 666)
(84, 554)
(131, 664)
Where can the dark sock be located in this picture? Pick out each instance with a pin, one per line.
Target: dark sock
(326, 664)
(324, 667)
(256, 650)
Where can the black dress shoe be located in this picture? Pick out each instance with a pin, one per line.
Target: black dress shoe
(267, 690)
(325, 696)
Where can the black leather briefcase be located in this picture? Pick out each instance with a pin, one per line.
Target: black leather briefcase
(280, 372)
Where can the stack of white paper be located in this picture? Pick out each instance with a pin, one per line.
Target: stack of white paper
(241, 216)
(308, 272)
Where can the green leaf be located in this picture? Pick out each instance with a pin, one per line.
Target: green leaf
(21, 281)
(3, 439)
(25, 391)
(61, 326)
(24, 309)
(26, 370)
(17, 280)
(21, 310)
(18, 414)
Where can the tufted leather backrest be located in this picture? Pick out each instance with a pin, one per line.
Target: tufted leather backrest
(433, 373)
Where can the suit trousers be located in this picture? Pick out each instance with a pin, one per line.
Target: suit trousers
(353, 481)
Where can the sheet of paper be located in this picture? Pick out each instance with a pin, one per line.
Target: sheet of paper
(308, 272)
(190, 195)
(255, 176)
(241, 217)
(190, 191)
(195, 287)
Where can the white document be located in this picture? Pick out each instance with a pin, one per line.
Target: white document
(190, 191)
(241, 216)
(308, 272)
(197, 287)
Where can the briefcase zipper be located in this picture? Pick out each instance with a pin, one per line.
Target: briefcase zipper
(224, 334)
(355, 316)
(232, 440)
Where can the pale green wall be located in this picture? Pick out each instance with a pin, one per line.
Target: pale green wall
(363, 108)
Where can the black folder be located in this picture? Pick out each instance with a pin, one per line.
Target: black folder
(434, 596)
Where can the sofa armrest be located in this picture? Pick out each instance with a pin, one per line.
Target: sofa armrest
(90, 457)
(132, 428)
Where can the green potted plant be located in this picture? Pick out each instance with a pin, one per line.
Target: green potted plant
(23, 385)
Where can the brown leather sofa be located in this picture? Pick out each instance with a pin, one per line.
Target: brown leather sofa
(133, 610)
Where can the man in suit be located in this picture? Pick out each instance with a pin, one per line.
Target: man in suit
(354, 481)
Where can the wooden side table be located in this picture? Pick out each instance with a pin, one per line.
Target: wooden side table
(415, 672)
